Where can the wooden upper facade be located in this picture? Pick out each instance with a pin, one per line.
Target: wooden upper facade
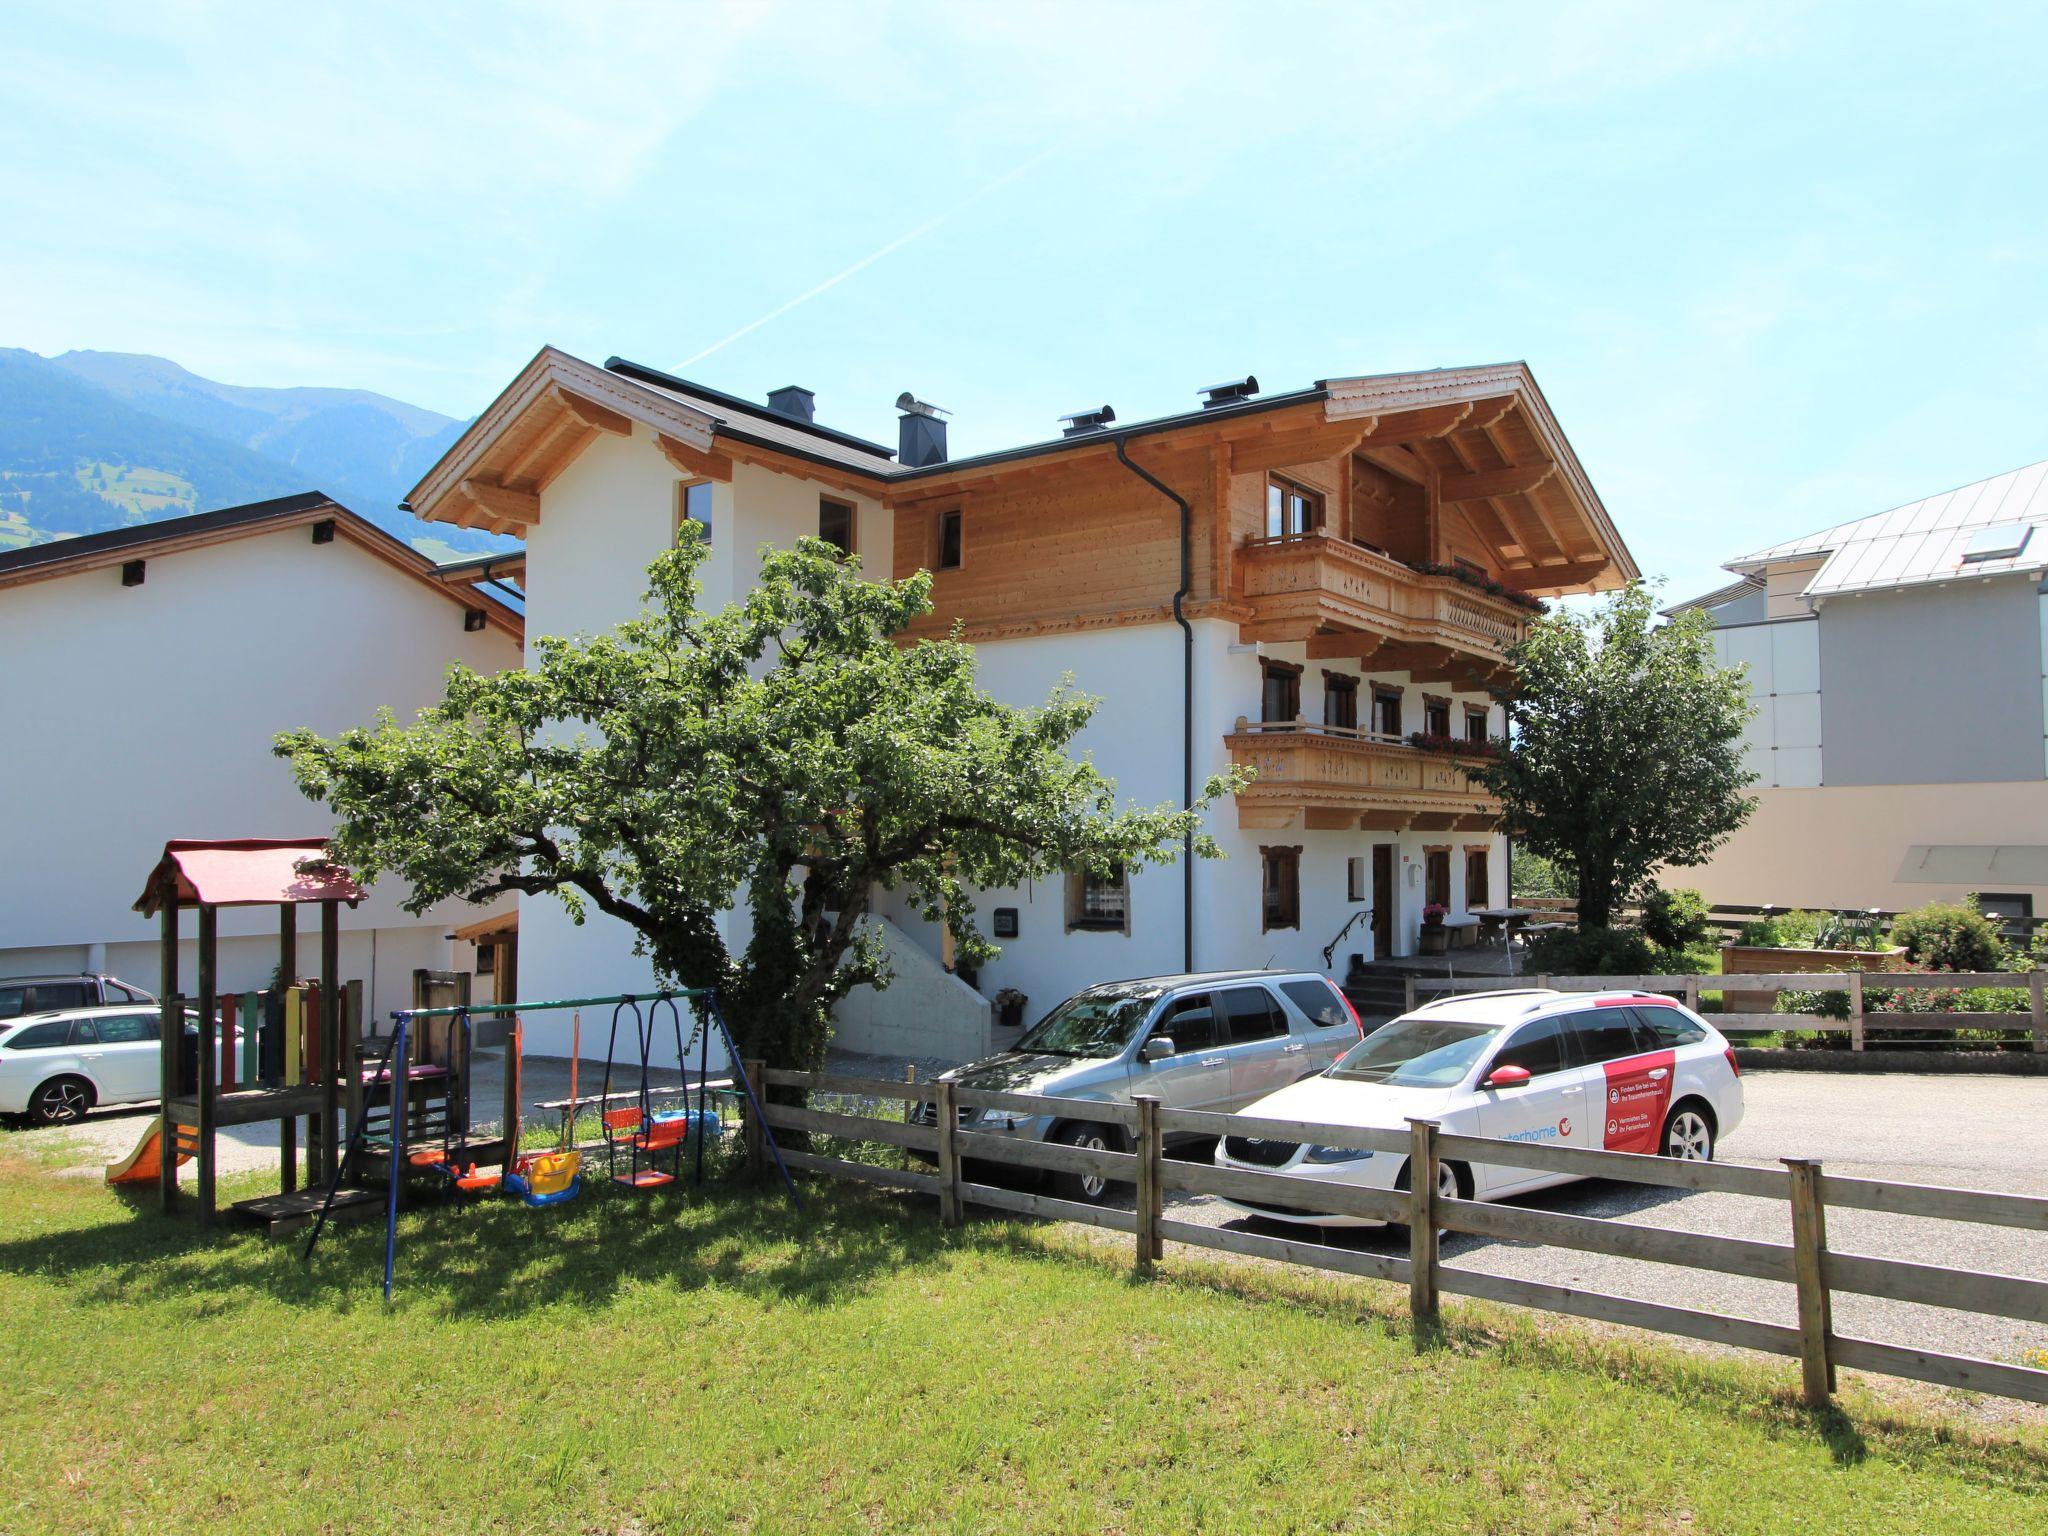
(1390, 522)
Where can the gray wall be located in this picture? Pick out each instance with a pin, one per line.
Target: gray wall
(1932, 685)
(1746, 609)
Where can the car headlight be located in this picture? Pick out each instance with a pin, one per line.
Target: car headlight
(1004, 1119)
(1336, 1155)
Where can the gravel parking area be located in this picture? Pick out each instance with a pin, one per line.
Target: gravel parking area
(1968, 1132)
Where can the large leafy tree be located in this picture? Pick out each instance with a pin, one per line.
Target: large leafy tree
(1625, 750)
(785, 757)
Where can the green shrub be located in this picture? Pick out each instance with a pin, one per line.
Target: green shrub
(1675, 919)
(1797, 929)
(1593, 952)
(1949, 936)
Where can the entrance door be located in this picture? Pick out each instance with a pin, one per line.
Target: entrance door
(1382, 900)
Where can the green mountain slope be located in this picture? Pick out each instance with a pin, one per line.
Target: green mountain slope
(93, 440)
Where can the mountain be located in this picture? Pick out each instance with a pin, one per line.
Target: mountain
(92, 440)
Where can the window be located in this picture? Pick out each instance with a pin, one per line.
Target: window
(1475, 724)
(1340, 700)
(13, 1002)
(1281, 699)
(486, 958)
(40, 1037)
(2006, 908)
(946, 557)
(1099, 902)
(1478, 887)
(116, 992)
(1386, 711)
(128, 1029)
(1436, 876)
(1537, 1048)
(1668, 1028)
(1281, 888)
(1253, 1014)
(1320, 1000)
(835, 524)
(1190, 1022)
(1354, 878)
(84, 1032)
(693, 505)
(1604, 1034)
(1436, 716)
(1291, 508)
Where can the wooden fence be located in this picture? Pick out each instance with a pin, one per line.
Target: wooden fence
(1856, 1026)
(1808, 1263)
(1731, 917)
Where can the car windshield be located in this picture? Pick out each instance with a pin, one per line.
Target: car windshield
(1416, 1053)
(1098, 1022)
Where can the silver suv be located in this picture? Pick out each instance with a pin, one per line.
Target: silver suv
(1212, 1041)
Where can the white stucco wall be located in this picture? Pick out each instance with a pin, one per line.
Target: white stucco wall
(144, 713)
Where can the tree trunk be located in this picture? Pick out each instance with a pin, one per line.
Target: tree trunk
(1596, 899)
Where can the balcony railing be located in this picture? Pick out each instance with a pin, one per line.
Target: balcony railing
(1331, 775)
(1300, 582)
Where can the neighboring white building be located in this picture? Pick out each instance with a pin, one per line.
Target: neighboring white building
(1899, 666)
(146, 671)
(1358, 556)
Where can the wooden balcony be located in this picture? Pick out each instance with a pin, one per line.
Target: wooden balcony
(1305, 586)
(1327, 778)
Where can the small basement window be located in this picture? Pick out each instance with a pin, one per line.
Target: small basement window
(1100, 903)
(946, 556)
(835, 524)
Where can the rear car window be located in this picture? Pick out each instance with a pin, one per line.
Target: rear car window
(1668, 1027)
(127, 1029)
(52, 995)
(1607, 1034)
(1253, 1014)
(13, 1002)
(1320, 1000)
(39, 1037)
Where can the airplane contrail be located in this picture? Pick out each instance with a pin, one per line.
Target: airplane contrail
(873, 256)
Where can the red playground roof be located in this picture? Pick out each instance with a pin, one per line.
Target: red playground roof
(246, 872)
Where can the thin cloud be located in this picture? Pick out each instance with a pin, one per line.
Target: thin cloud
(875, 255)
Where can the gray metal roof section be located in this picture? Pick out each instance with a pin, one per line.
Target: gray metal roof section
(1923, 541)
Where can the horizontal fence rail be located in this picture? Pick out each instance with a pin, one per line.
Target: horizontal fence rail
(2032, 1025)
(946, 1123)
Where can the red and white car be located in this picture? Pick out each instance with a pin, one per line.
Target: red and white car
(1619, 1071)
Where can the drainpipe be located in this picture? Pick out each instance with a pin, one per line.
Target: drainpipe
(1187, 694)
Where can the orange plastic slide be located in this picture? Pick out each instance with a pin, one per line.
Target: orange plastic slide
(143, 1165)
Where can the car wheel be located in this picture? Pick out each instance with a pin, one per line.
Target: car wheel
(1088, 1188)
(60, 1101)
(1689, 1134)
(1452, 1183)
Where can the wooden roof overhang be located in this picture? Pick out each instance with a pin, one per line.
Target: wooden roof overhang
(1483, 438)
(245, 872)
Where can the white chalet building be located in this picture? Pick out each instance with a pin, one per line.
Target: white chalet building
(1320, 583)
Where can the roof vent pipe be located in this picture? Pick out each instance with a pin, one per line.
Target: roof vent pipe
(793, 401)
(1229, 392)
(1081, 423)
(920, 432)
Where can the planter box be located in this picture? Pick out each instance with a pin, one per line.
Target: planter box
(1435, 940)
(1759, 960)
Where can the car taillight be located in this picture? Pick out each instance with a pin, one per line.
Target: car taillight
(1732, 1067)
(1349, 1008)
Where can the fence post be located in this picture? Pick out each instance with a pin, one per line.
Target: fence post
(1816, 1311)
(754, 1130)
(1543, 982)
(1855, 1010)
(909, 1108)
(948, 1122)
(1422, 1226)
(2037, 1005)
(1692, 993)
(1407, 994)
(1150, 1244)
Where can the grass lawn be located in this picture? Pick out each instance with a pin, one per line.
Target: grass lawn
(714, 1362)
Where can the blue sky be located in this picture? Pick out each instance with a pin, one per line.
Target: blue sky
(1774, 266)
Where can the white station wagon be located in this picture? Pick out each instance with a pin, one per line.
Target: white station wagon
(54, 1067)
(1619, 1071)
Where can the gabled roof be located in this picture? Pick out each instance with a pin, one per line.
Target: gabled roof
(1923, 541)
(174, 535)
(245, 872)
(1485, 434)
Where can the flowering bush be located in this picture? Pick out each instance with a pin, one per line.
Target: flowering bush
(1434, 914)
(1479, 583)
(1456, 746)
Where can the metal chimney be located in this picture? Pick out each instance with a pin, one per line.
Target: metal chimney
(1081, 423)
(793, 401)
(920, 432)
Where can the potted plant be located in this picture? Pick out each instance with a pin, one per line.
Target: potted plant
(1435, 936)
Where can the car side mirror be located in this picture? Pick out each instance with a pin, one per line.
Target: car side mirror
(1507, 1077)
(1158, 1048)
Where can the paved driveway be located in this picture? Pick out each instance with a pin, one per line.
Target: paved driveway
(1968, 1132)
